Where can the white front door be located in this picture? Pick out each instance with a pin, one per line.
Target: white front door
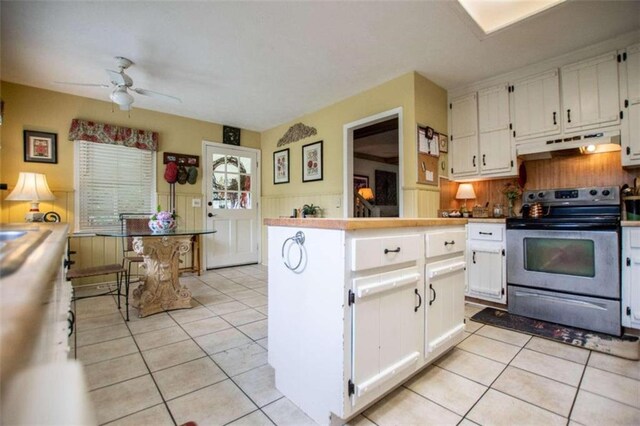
(232, 183)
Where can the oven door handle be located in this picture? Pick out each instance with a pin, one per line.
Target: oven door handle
(564, 226)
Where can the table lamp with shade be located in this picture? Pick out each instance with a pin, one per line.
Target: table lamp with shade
(366, 193)
(465, 192)
(32, 187)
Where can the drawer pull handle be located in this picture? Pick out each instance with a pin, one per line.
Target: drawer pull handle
(452, 242)
(485, 233)
(474, 257)
(415, 309)
(392, 251)
(433, 290)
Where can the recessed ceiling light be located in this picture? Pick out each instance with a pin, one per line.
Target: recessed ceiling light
(494, 15)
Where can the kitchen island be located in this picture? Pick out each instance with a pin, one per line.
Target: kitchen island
(357, 306)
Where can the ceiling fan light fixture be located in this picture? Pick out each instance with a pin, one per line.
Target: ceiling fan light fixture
(122, 98)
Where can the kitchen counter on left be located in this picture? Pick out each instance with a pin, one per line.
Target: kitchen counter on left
(24, 293)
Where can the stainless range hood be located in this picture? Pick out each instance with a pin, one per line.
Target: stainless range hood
(584, 143)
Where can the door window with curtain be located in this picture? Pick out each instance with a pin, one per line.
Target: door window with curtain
(109, 180)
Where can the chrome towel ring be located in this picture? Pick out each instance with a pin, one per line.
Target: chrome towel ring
(299, 240)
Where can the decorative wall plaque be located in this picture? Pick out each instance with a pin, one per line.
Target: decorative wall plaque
(297, 132)
(230, 135)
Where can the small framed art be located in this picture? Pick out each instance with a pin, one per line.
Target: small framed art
(312, 162)
(281, 166)
(40, 147)
(443, 143)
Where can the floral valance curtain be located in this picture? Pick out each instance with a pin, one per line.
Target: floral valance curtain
(115, 135)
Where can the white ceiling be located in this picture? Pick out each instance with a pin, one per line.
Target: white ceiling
(256, 65)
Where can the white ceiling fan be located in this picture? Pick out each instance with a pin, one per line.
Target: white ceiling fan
(121, 84)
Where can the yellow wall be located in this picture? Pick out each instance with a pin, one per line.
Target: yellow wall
(29, 108)
(422, 102)
(431, 110)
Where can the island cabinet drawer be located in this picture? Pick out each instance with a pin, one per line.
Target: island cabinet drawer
(486, 232)
(384, 251)
(445, 242)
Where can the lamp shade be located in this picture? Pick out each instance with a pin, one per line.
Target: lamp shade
(465, 192)
(366, 193)
(31, 187)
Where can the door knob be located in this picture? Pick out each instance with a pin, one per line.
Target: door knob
(210, 204)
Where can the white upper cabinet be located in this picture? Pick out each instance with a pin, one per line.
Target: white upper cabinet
(590, 93)
(631, 145)
(536, 106)
(464, 136)
(496, 155)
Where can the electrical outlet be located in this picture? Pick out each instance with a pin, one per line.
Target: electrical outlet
(196, 202)
(339, 203)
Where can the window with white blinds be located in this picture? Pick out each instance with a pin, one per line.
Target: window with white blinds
(111, 179)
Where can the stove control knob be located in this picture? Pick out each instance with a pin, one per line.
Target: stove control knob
(532, 196)
(540, 194)
(594, 192)
(606, 192)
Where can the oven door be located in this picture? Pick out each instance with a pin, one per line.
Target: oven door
(579, 262)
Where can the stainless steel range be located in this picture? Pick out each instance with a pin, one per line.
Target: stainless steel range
(563, 258)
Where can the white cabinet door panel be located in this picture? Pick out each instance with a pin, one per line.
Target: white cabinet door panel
(590, 92)
(536, 106)
(386, 328)
(631, 146)
(464, 135)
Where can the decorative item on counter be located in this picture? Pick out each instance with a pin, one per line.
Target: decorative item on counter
(498, 210)
(309, 210)
(163, 221)
(479, 211)
(512, 191)
(171, 172)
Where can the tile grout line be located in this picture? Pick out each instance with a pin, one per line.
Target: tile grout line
(493, 382)
(575, 397)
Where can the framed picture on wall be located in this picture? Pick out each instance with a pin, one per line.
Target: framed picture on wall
(281, 166)
(443, 142)
(40, 147)
(312, 162)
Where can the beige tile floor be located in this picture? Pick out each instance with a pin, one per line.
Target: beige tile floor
(209, 365)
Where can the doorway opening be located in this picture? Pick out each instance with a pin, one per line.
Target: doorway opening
(373, 166)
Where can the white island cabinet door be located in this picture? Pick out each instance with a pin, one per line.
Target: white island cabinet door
(386, 330)
(631, 277)
(444, 304)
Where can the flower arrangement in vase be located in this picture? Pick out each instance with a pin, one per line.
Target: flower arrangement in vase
(163, 221)
(512, 191)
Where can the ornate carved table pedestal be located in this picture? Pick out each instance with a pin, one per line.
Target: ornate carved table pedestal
(161, 289)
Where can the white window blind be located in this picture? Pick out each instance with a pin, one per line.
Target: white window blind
(109, 180)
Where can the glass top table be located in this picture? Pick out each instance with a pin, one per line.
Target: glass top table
(160, 289)
(148, 233)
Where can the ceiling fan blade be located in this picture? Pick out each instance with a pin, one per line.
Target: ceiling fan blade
(119, 78)
(153, 94)
(106, 86)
